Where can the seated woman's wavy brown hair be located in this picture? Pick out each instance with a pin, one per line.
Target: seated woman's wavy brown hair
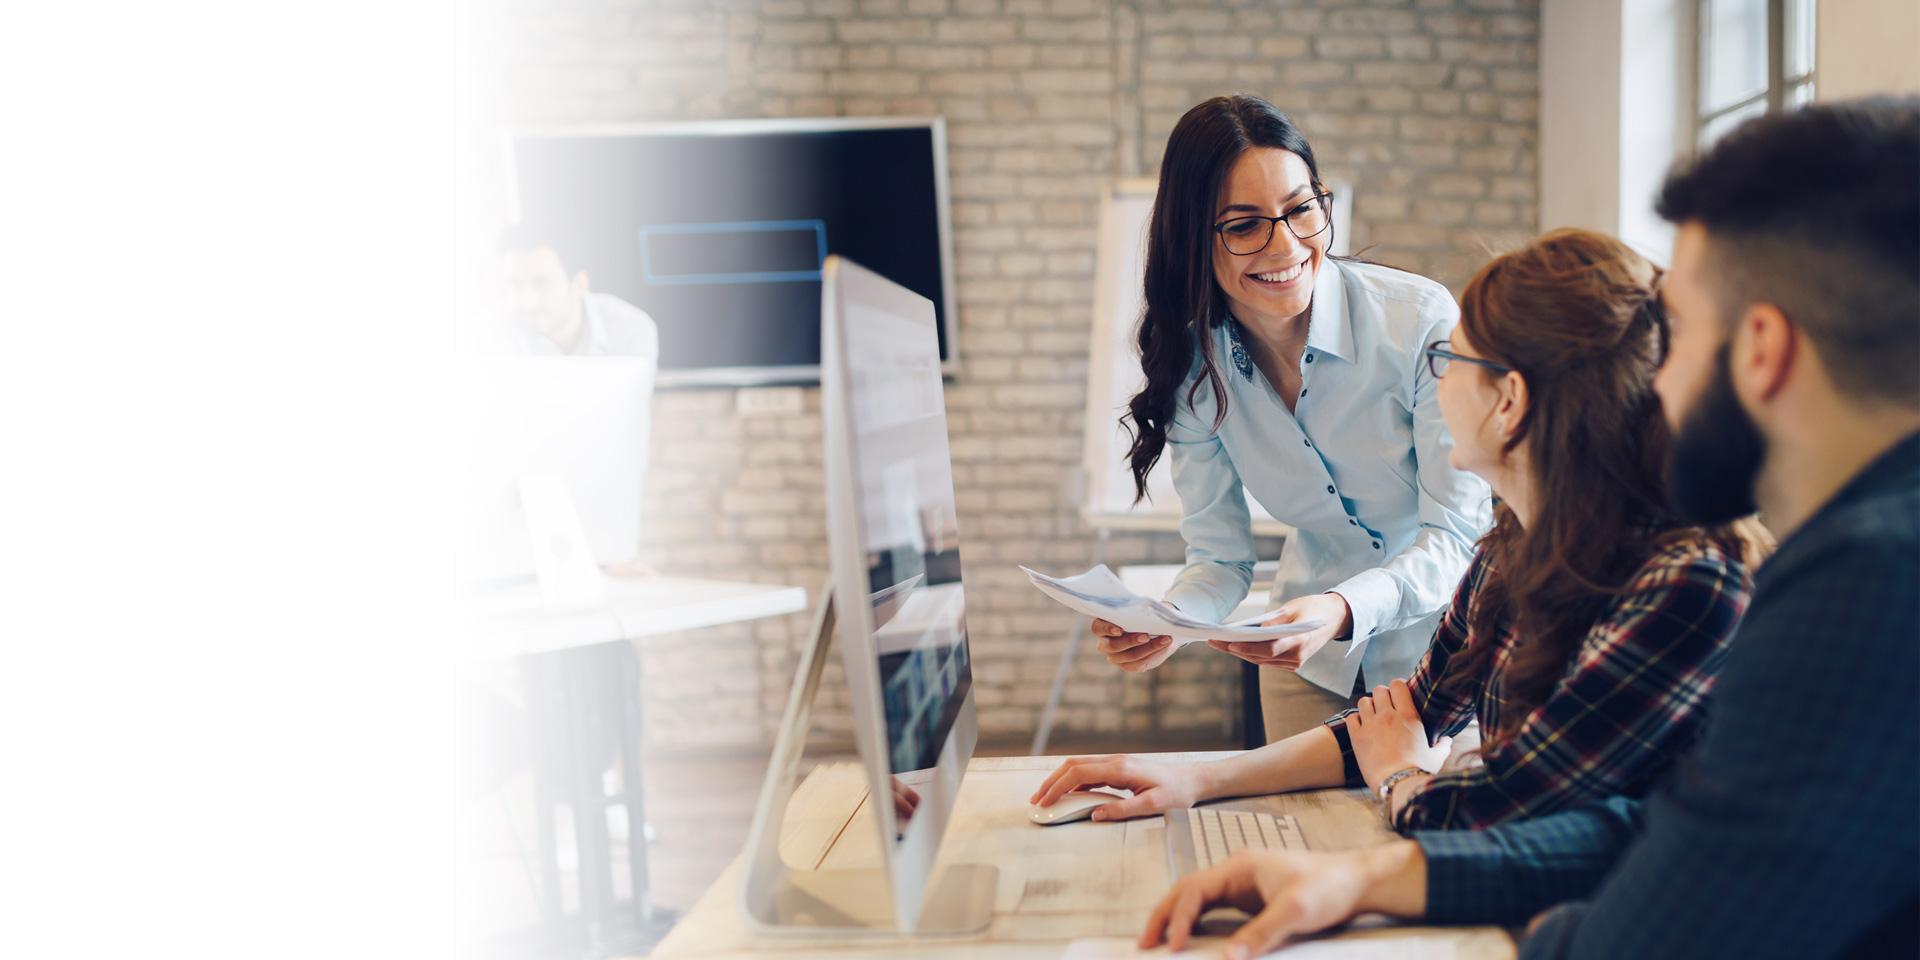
(1578, 315)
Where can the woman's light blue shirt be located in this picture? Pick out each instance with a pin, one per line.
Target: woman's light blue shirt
(1358, 469)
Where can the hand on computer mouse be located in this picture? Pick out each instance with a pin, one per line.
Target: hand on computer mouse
(1157, 787)
(905, 800)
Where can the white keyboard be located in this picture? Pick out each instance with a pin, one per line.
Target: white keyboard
(1219, 834)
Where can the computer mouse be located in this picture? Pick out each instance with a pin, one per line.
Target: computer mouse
(1075, 805)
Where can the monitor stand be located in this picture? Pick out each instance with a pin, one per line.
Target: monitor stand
(776, 899)
(959, 902)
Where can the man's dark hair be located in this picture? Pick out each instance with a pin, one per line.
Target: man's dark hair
(1817, 212)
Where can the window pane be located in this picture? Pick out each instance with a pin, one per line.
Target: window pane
(1719, 126)
(1735, 50)
(1800, 95)
(1799, 39)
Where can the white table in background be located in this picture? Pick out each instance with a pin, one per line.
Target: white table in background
(511, 622)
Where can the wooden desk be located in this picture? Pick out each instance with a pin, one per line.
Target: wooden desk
(1056, 883)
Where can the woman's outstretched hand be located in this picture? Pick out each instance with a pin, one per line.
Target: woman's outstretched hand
(1288, 653)
(1132, 652)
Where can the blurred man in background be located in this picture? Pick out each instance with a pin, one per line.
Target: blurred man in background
(558, 315)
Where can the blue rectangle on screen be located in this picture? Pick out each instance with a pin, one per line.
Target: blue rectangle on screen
(751, 251)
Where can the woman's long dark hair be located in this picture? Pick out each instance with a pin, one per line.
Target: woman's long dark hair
(1577, 314)
(1183, 304)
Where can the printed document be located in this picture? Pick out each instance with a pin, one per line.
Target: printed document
(1098, 593)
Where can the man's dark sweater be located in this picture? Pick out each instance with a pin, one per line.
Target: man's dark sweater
(1793, 829)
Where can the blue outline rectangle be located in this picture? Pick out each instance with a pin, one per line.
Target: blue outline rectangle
(819, 228)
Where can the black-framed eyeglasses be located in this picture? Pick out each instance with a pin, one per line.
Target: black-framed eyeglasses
(1662, 329)
(1438, 356)
(1246, 236)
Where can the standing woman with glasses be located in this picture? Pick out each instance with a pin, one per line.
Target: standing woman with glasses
(1278, 372)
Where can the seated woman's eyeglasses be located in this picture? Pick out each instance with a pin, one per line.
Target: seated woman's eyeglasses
(1246, 236)
(1438, 356)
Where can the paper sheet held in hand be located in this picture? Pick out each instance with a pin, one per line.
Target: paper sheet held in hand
(1098, 593)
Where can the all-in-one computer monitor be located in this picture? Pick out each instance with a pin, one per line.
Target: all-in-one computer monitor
(896, 602)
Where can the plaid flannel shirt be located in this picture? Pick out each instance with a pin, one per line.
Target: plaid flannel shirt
(1631, 701)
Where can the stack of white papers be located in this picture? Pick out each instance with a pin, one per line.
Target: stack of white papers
(1098, 593)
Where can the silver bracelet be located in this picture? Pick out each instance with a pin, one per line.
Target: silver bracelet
(1386, 793)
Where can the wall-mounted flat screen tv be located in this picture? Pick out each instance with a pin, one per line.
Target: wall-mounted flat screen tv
(718, 229)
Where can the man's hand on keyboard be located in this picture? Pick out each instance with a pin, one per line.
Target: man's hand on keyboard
(1290, 893)
(1157, 787)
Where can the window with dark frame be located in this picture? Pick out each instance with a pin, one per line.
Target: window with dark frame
(1756, 57)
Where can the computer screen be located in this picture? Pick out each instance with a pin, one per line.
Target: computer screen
(903, 483)
(894, 539)
(719, 230)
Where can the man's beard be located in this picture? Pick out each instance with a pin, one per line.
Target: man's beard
(1717, 453)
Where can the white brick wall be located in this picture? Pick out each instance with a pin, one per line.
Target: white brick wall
(1427, 107)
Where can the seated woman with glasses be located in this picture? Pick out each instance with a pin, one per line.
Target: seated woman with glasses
(1278, 373)
(1589, 629)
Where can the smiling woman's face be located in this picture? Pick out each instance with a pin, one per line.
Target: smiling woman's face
(1275, 285)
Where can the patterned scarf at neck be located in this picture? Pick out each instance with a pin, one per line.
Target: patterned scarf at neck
(1241, 361)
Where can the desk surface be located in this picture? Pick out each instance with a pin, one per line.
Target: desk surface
(1057, 884)
(511, 622)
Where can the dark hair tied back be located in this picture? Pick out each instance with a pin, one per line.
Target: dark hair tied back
(1578, 316)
